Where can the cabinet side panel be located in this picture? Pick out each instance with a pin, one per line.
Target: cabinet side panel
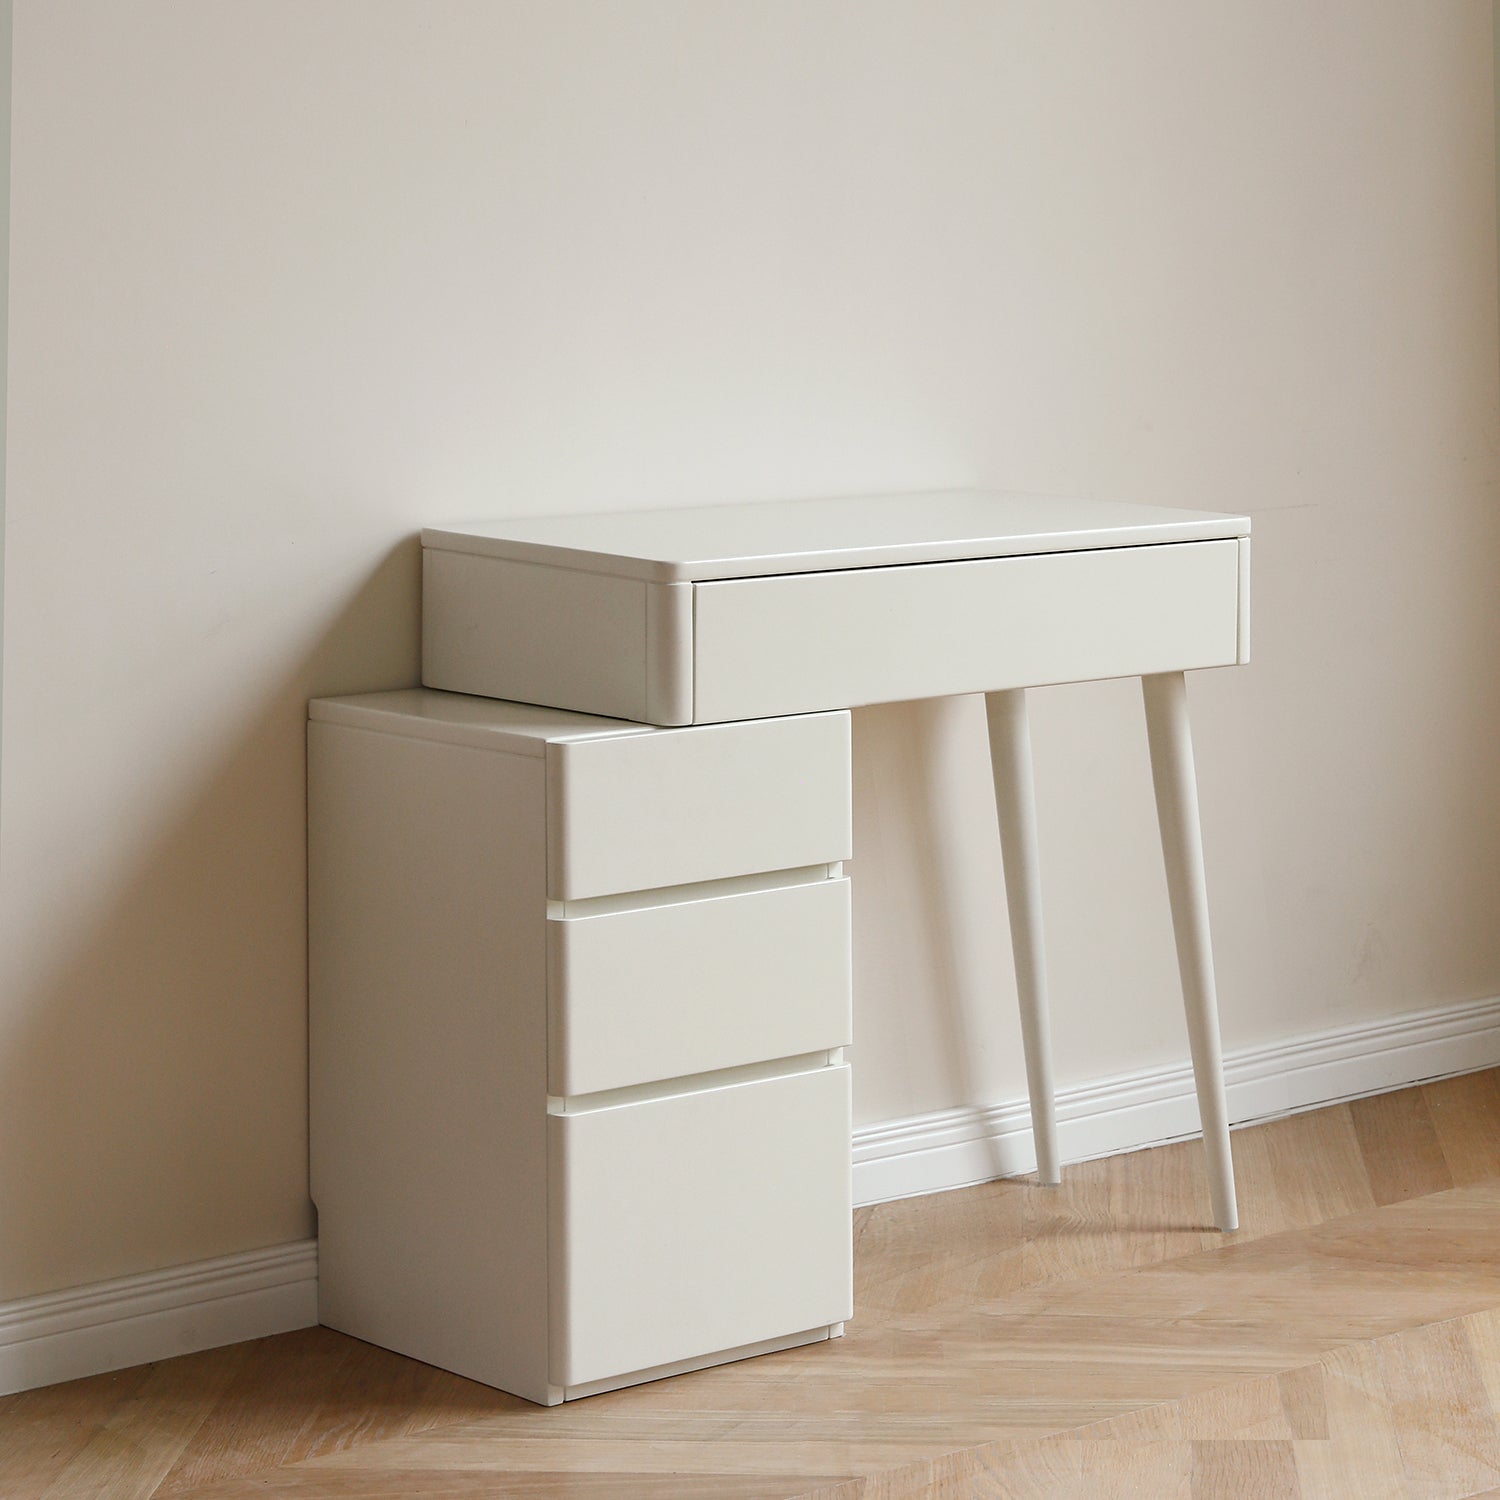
(428, 1050)
(503, 629)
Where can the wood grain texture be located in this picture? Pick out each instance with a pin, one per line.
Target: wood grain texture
(43, 1431)
(141, 1438)
(1463, 1112)
(1402, 1153)
(1089, 1341)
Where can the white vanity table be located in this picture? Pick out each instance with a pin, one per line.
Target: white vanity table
(580, 938)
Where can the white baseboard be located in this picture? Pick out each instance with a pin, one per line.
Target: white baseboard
(108, 1325)
(957, 1147)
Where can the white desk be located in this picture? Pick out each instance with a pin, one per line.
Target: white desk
(739, 612)
(713, 844)
(747, 611)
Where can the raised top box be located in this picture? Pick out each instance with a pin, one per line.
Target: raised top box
(698, 616)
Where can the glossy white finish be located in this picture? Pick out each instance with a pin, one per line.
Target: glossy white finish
(822, 640)
(604, 644)
(669, 653)
(1172, 772)
(803, 536)
(700, 1222)
(458, 719)
(428, 1049)
(695, 1107)
(803, 606)
(690, 986)
(747, 611)
(680, 805)
(432, 931)
(1015, 805)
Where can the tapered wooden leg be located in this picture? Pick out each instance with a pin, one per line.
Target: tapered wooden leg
(1015, 805)
(1182, 849)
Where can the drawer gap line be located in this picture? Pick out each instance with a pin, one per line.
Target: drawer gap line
(693, 1083)
(702, 890)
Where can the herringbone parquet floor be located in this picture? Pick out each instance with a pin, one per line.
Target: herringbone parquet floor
(1090, 1341)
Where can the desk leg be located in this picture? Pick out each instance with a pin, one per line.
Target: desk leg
(1171, 743)
(1015, 805)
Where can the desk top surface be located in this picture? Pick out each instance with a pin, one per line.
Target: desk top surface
(810, 536)
(459, 719)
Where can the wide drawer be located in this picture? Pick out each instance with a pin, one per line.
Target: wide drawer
(788, 643)
(691, 986)
(685, 805)
(700, 1222)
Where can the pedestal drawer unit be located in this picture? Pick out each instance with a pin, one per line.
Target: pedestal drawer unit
(579, 994)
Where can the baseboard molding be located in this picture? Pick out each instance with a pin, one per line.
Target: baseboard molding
(957, 1147)
(109, 1325)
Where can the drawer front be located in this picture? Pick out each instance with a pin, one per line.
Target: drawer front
(697, 1223)
(685, 805)
(795, 642)
(664, 991)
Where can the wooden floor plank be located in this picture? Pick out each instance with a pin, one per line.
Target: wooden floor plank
(1318, 1166)
(267, 1412)
(1463, 1112)
(1161, 1423)
(1402, 1153)
(1247, 1409)
(131, 1453)
(1484, 1344)
(1092, 1340)
(1445, 1426)
(1304, 1402)
(43, 1431)
(1232, 1468)
(1373, 1444)
(445, 1484)
(1031, 1363)
(1128, 1471)
(1362, 1456)
(1047, 1468)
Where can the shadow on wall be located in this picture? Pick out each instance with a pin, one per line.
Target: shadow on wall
(153, 1088)
(932, 941)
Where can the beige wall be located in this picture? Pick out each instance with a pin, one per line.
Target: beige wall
(290, 280)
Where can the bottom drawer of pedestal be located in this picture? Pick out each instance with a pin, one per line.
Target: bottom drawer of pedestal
(686, 1225)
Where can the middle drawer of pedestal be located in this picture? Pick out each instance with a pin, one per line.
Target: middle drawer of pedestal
(687, 987)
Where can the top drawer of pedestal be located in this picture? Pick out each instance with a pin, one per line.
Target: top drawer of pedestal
(746, 611)
(676, 807)
(631, 808)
